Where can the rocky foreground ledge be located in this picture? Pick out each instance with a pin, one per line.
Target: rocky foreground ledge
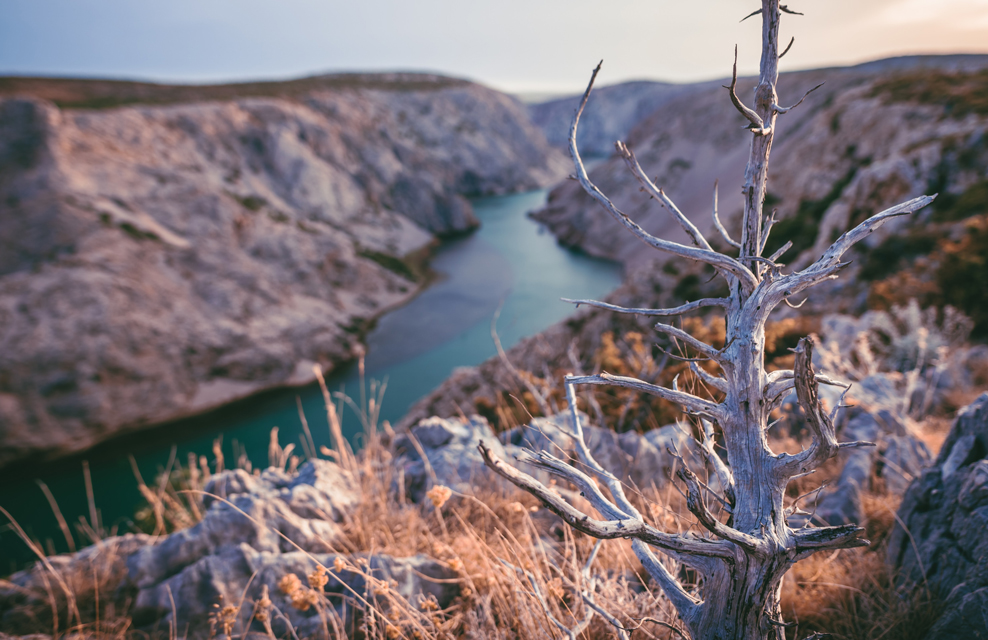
(166, 257)
(263, 535)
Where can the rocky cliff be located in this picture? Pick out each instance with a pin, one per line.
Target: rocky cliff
(871, 136)
(203, 243)
(611, 113)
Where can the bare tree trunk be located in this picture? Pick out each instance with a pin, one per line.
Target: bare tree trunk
(741, 562)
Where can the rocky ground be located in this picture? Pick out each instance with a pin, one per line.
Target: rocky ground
(260, 537)
(160, 259)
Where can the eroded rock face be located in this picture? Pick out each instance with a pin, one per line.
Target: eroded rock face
(258, 530)
(226, 577)
(945, 514)
(156, 261)
(897, 457)
(867, 154)
(611, 113)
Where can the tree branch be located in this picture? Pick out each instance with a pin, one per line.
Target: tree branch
(687, 607)
(779, 109)
(630, 528)
(694, 502)
(829, 263)
(825, 443)
(675, 311)
(687, 400)
(659, 194)
(716, 382)
(781, 251)
(749, 114)
(815, 539)
(722, 471)
(699, 345)
(720, 227)
(712, 258)
(766, 230)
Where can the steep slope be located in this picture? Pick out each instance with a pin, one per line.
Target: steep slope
(159, 260)
(611, 113)
(850, 149)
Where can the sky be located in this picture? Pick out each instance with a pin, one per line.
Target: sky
(524, 46)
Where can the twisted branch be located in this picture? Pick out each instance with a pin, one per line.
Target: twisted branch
(716, 260)
(675, 311)
(659, 194)
(687, 400)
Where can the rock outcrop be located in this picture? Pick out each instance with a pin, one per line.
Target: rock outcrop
(265, 528)
(451, 457)
(939, 542)
(156, 261)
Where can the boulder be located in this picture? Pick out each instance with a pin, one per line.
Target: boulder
(241, 573)
(450, 447)
(451, 455)
(272, 513)
(897, 458)
(256, 530)
(939, 542)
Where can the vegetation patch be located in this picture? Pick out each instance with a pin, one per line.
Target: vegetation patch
(949, 207)
(412, 267)
(889, 256)
(75, 93)
(960, 94)
(251, 202)
(954, 272)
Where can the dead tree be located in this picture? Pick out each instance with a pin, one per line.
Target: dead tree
(741, 561)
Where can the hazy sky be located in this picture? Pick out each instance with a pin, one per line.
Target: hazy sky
(515, 45)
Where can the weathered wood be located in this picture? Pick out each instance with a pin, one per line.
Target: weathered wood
(742, 560)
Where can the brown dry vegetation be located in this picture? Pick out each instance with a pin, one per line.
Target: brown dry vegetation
(508, 553)
(958, 93)
(79, 93)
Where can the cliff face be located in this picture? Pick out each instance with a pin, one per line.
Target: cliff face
(610, 114)
(854, 147)
(158, 260)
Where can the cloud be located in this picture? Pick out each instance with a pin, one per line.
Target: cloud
(958, 14)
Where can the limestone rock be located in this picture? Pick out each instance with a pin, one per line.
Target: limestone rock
(450, 447)
(451, 455)
(611, 113)
(262, 529)
(945, 513)
(271, 513)
(878, 156)
(25, 593)
(226, 577)
(157, 261)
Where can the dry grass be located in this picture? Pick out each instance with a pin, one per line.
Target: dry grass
(520, 571)
(508, 553)
(851, 594)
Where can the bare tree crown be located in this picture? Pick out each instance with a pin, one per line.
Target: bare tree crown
(741, 562)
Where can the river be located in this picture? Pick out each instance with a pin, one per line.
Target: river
(510, 260)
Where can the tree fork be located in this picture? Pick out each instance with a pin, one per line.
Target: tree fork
(741, 558)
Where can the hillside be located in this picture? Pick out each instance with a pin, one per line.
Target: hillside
(204, 243)
(870, 137)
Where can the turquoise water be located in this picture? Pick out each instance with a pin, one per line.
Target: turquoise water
(510, 259)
